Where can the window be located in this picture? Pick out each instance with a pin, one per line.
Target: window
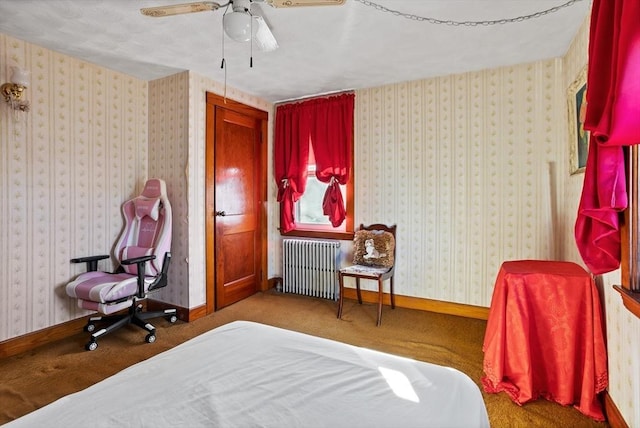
(308, 209)
(310, 220)
(309, 206)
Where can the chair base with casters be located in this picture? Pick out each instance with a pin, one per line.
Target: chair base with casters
(114, 320)
(371, 272)
(134, 316)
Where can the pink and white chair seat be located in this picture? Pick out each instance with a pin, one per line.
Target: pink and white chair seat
(101, 291)
(143, 255)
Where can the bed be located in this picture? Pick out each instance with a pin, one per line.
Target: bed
(245, 374)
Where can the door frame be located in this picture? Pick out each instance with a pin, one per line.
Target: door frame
(214, 101)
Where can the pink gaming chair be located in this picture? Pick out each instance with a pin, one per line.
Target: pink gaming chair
(143, 255)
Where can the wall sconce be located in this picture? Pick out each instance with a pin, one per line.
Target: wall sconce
(13, 92)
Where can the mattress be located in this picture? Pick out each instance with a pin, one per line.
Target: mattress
(245, 374)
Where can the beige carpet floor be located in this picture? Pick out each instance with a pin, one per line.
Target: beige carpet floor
(35, 378)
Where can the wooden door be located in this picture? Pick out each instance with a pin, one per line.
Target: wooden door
(236, 201)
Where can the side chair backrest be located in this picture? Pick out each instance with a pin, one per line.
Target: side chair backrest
(147, 229)
(378, 226)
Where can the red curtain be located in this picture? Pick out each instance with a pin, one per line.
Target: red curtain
(291, 156)
(332, 140)
(326, 123)
(613, 117)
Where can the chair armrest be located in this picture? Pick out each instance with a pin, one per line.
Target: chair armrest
(91, 261)
(138, 260)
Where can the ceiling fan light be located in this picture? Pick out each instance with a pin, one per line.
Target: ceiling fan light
(237, 25)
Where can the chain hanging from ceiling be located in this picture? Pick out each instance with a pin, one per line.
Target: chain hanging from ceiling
(467, 23)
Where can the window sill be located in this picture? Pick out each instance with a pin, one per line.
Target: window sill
(342, 236)
(630, 300)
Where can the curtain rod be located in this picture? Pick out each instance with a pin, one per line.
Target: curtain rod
(306, 98)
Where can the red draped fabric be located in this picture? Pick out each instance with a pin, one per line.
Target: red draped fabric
(613, 117)
(604, 195)
(291, 156)
(326, 123)
(332, 140)
(545, 336)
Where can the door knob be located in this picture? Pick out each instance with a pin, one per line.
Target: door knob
(220, 213)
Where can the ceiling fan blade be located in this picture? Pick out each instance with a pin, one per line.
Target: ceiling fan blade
(296, 3)
(177, 9)
(264, 39)
(262, 35)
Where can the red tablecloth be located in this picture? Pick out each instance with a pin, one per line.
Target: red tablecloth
(545, 336)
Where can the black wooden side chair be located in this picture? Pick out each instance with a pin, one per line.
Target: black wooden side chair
(374, 251)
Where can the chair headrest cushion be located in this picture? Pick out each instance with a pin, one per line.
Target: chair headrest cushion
(147, 207)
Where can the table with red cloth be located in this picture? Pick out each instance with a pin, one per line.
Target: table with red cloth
(545, 336)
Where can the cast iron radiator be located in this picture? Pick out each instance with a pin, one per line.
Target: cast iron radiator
(310, 267)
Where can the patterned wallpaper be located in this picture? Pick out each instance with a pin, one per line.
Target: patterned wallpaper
(65, 168)
(466, 166)
(168, 159)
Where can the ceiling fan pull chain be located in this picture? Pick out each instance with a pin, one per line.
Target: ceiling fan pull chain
(251, 41)
(224, 63)
(223, 66)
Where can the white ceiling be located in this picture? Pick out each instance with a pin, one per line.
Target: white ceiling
(322, 49)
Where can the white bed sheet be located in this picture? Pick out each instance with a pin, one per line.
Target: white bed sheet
(245, 374)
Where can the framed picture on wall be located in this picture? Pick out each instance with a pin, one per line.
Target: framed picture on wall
(578, 136)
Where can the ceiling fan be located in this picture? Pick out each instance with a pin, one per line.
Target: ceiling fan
(244, 19)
